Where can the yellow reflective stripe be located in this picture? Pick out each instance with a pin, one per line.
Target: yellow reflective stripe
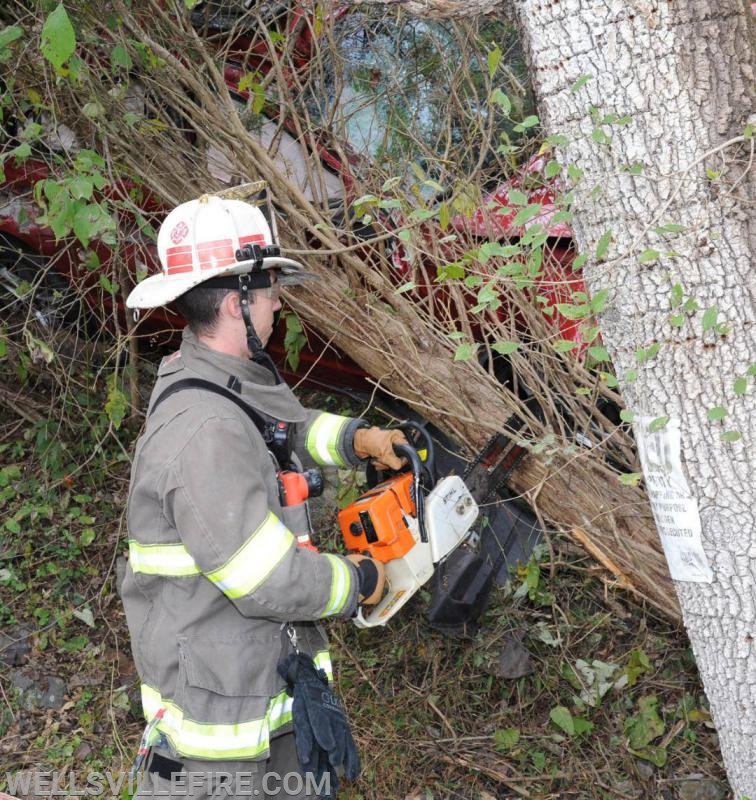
(255, 560)
(213, 740)
(206, 740)
(323, 660)
(341, 585)
(323, 438)
(170, 560)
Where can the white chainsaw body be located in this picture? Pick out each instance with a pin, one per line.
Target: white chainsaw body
(450, 512)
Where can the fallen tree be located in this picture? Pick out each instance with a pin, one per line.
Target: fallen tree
(163, 114)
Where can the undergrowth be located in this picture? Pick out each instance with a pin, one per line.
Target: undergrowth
(608, 703)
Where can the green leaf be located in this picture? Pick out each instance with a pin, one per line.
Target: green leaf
(527, 213)
(570, 311)
(58, 38)
(631, 478)
(631, 375)
(626, 415)
(506, 739)
(610, 379)
(81, 188)
(574, 172)
(406, 287)
(670, 227)
(709, 319)
(21, 152)
(120, 58)
(657, 424)
(500, 99)
(740, 386)
(717, 413)
(294, 338)
(404, 235)
(464, 352)
(676, 320)
(599, 353)
(582, 725)
(647, 256)
(517, 198)
(676, 295)
(493, 59)
(598, 301)
(564, 345)
(117, 405)
(642, 728)
(562, 718)
(552, 169)
(600, 136)
(656, 754)
(505, 348)
(691, 305)
(93, 110)
(3, 351)
(751, 371)
(603, 244)
(110, 287)
(529, 122)
(580, 82)
(731, 436)
(579, 262)
(7, 36)
(75, 644)
(87, 536)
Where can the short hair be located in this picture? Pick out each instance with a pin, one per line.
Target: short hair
(200, 306)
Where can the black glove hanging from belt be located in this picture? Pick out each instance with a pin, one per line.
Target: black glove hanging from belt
(324, 741)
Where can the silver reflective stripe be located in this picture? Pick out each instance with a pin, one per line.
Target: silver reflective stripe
(323, 438)
(255, 560)
(169, 560)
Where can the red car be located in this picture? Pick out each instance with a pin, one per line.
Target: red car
(28, 245)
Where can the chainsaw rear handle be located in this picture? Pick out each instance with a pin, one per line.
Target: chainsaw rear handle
(412, 456)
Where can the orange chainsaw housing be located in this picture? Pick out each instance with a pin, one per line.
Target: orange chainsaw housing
(374, 525)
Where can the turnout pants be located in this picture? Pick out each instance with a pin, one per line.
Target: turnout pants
(280, 776)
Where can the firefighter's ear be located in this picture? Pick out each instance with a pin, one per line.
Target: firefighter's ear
(231, 305)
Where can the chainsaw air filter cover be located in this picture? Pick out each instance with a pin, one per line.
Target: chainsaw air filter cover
(375, 524)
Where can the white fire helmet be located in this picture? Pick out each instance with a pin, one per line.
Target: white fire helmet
(199, 240)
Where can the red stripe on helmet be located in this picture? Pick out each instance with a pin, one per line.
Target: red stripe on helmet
(178, 260)
(255, 238)
(216, 254)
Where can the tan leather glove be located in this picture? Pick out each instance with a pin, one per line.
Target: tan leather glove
(372, 581)
(378, 444)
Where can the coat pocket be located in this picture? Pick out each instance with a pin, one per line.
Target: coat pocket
(232, 668)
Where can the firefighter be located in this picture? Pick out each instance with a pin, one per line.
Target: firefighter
(217, 593)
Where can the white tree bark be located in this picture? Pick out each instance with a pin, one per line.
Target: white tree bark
(682, 72)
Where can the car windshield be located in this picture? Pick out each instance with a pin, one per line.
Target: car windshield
(418, 92)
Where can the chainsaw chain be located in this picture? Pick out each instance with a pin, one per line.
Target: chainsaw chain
(501, 480)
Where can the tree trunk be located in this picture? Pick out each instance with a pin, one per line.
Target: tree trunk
(678, 78)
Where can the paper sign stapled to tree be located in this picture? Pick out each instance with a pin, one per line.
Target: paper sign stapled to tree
(674, 507)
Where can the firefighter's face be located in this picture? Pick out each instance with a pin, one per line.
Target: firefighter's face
(263, 308)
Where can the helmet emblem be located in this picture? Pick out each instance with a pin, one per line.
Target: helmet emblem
(179, 232)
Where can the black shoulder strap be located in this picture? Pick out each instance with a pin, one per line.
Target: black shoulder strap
(198, 383)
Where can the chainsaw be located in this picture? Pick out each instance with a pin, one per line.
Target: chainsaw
(416, 524)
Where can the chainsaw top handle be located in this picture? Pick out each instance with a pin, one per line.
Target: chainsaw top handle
(409, 452)
(420, 439)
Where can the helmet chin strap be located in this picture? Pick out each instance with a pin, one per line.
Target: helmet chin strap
(257, 352)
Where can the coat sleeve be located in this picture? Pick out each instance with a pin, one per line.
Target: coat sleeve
(222, 498)
(328, 439)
